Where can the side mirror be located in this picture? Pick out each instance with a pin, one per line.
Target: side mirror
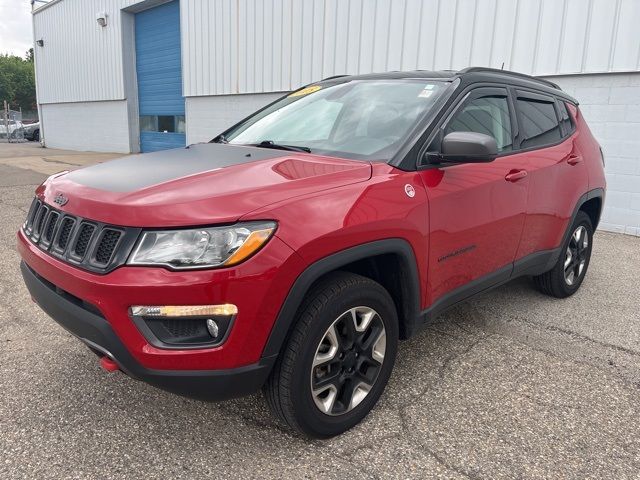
(466, 147)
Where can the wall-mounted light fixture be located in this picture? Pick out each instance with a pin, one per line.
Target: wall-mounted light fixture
(40, 42)
(101, 18)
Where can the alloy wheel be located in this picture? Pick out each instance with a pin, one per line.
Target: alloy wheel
(576, 255)
(348, 361)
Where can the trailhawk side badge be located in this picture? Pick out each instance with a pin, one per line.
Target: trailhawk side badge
(409, 190)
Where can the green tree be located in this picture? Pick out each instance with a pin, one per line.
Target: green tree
(17, 81)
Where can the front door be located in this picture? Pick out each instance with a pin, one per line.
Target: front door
(159, 72)
(477, 211)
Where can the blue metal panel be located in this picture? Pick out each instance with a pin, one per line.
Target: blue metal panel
(154, 141)
(159, 71)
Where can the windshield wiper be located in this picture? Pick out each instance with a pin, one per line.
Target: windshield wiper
(272, 144)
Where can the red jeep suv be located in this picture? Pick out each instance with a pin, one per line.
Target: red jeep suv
(294, 250)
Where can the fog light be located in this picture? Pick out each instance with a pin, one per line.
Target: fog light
(212, 326)
(185, 310)
(186, 326)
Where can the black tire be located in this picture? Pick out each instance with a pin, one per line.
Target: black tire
(289, 391)
(36, 136)
(555, 282)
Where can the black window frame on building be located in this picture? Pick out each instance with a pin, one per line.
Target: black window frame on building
(176, 123)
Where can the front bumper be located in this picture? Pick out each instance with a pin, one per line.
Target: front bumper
(257, 287)
(95, 331)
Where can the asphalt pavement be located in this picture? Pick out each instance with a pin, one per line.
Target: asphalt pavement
(511, 385)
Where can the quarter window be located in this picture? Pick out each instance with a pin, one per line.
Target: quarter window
(488, 115)
(565, 119)
(539, 123)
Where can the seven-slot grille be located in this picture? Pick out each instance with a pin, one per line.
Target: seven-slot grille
(91, 245)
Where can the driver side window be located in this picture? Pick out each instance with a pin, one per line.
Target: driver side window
(488, 115)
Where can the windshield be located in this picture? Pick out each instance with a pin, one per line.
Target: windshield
(360, 119)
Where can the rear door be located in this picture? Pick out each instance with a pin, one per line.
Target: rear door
(477, 211)
(554, 162)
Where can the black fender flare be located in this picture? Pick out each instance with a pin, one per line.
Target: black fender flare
(584, 198)
(590, 195)
(401, 247)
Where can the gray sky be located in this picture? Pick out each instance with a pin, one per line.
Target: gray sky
(15, 27)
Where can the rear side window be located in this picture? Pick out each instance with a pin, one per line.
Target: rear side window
(539, 123)
(488, 115)
(565, 119)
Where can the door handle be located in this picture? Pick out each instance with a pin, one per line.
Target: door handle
(515, 175)
(574, 159)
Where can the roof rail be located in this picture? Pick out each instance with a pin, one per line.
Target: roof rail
(510, 73)
(334, 76)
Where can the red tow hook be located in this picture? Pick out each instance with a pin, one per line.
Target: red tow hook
(108, 364)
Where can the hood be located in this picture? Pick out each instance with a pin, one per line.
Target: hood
(198, 185)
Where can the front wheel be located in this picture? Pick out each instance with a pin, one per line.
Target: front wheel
(338, 358)
(567, 275)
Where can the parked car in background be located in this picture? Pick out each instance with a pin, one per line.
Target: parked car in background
(16, 129)
(32, 131)
(294, 250)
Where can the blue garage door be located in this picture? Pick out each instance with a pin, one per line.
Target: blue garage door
(158, 65)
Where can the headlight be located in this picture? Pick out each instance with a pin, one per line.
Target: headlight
(201, 247)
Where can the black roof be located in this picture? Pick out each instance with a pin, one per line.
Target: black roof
(468, 75)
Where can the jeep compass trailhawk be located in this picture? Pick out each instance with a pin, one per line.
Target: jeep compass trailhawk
(295, 249)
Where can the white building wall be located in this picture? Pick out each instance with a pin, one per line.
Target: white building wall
(611, 105)
(254, 46)
(247, 46)
(209, 116)
(80, 61)
(87, 126)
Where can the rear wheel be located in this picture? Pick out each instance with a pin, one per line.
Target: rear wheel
(338, 358)
(36, 136)
(567, 275)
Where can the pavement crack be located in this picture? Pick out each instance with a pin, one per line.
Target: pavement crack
(448, 466)
(454, 356)
(408, 433)
(587, 363)
(575, 335)
(351, 462)
(416, 441)
(368, 445)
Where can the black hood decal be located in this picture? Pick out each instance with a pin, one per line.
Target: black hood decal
(144, 170)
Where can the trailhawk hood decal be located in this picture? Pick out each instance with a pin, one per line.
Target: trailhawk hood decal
(199, 185)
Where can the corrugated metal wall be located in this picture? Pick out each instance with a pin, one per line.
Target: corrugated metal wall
(245, 46)
(242, 46)
(80, 61)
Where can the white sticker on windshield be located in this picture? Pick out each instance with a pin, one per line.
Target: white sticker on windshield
(427, 91)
